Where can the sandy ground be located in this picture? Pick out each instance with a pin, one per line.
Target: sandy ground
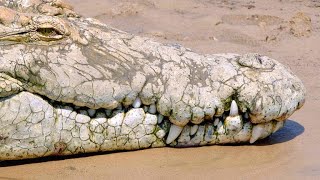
(274, 28)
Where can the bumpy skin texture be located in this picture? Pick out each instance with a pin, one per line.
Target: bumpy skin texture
(67, 85)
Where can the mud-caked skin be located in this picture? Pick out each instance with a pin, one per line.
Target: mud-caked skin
(73, 85)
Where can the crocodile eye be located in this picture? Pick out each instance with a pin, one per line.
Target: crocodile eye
(48, 32)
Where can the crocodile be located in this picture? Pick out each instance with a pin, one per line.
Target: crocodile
(71, 85)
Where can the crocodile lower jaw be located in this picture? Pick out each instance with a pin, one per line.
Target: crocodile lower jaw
(36, 127)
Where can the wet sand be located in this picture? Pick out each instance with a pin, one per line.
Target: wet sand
(273, 28)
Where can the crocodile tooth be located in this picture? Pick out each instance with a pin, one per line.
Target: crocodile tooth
(234, 109)
(108, 112)
(84, 112)
(220, 128)
(91, 112)
(233, 123)
(174, 132)
(146, 108)
(194, 129)
(137, 103)
(152, 109)
(257, 131)
(246, 115)
(160, 118)
(278, 126)
(216, 122)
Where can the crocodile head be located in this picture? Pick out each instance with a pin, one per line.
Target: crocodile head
(72, 85)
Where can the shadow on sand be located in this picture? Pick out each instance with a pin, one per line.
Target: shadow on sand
(291, 130)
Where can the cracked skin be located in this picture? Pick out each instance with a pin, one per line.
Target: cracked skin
(72, 85)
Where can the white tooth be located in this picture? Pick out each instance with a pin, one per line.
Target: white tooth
(278, 126)
(152, 109)
(108, 112)
(84, 112)
(145, 108)
(246, 115)
(194, 129)
(257, 132)
(220, 128)
(160, 118)
(174, 132)
(137, 103)
(234, 109)
(216, 122)
(91, 112)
